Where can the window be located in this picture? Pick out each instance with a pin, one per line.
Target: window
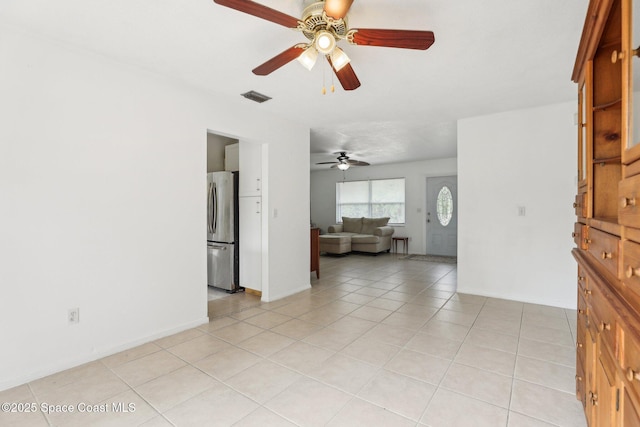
(372, 199)
(444, 206)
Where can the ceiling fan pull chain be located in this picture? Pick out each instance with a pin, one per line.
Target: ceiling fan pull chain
(333, 88)
(324, 89)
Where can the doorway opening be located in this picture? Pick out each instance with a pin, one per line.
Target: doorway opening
(234, 224)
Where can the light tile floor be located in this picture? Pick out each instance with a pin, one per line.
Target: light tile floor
(377, 341)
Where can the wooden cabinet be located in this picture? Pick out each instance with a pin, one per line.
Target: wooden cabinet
(630, 96)
(629, 204)
(315, 251)
(607, 229)
(629, 411)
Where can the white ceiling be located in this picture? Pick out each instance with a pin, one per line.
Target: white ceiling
(489, 56)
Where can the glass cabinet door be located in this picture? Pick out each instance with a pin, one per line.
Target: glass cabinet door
(582, 135)
(632, 149)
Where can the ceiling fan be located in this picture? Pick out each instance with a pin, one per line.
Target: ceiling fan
(324, 24)
(344, 162)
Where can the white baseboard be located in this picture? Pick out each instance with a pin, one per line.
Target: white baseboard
(285, 294)
(59, 366)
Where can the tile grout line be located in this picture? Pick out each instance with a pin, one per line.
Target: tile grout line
(379, 368)
(515, 367)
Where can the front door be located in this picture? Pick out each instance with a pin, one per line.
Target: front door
(442, 216)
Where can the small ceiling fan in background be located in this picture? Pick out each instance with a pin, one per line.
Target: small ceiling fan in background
(324, 24)
(344, 162)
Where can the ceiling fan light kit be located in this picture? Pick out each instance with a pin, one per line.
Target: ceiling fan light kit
(339, 59)
(308, 58)
(324, 24)
(343, 162)
(324, 42)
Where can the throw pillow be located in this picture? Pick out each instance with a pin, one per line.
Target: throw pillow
(370, 224)
(352, 225)
(382, 221)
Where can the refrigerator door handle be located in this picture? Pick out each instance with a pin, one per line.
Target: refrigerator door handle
(223, 248)
(215, 208)
(210, 209)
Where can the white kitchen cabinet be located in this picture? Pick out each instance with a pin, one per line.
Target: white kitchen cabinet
(250, 169)
(232, 157)
(250, 210)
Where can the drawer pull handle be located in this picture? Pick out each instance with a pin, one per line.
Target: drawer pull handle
(627, 201)
(632, 375)
(606, 255)
(631, 271)
(615, 55)
(578, 378)
(573, 234)
(578, 344)
(587, 241)
(594, 399)
(575, 205)
(580, 311)
(587, 291)
(605, 326)
(580, 278)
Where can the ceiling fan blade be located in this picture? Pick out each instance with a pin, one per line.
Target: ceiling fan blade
(357, 163)
(327, 163)
(346, 76)
(337, 8)
(405, 39)
(261, 11)
(279, 60)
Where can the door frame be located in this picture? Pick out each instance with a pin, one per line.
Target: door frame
(426, 208)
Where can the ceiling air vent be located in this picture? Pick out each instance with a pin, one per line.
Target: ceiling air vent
(255, 96)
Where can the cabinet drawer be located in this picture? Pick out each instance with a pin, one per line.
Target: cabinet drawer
(583, 283)
(583, 311)
(603, 319)
(581, 342)
(628, 209)
(604, 247)
(630, 272)
(580, 235)
(630, 361)
(580, 205)
(631, 264)
(580, 383)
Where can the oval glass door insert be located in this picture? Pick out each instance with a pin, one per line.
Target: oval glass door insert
(445, 206)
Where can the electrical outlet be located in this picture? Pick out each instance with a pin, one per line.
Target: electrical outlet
(73, 316)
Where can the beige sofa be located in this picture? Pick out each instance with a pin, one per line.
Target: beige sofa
(371, 235)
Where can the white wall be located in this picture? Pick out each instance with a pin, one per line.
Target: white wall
(519, 158)
(323, 193)
(102, 179)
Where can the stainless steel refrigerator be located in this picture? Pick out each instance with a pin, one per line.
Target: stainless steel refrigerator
(222, 231)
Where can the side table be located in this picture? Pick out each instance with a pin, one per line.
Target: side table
(405, 244)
